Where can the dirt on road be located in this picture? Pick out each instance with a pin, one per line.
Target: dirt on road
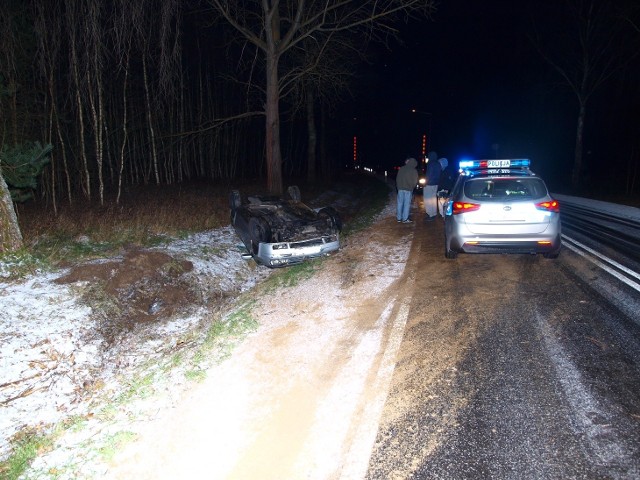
(300, 397)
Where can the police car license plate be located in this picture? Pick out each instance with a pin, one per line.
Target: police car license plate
(498, 163)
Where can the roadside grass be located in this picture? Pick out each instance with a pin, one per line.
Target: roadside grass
(291, 276)
(25, 448)
(222, 336)
(146, 216)
(30, 443)
(225, 333)
(377, 193)
(114, 443)
(84, 232)
(154, 215)
(19, 264)
(139, 387)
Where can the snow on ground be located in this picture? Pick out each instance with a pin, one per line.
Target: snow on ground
(54, 362)
(45, 337)
(50, 353)
(311, 354)
(51, 356)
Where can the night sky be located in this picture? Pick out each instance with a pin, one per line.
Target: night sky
(488, 92)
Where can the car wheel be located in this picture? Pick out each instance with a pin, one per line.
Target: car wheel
(234, 199)
(333, 216)
(448, 253)
(259, 232)
(294, 193)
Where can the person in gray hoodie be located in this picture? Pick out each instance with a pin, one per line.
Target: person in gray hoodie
(406, 181)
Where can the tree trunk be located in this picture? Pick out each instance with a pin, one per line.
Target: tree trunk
(324, 158)
(52, 115)
(312, 139)
(152, 133)
(96, 115)
(274, 154)
(124, 127)
(577, 162)
(83, 153)
(10, 236)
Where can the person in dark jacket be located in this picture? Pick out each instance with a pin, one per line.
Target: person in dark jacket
(430, 190)
(406, 181)
(447, 179)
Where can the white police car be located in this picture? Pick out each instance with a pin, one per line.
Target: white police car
(501, 206)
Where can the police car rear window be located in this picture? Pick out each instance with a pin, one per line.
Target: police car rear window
(497, 189)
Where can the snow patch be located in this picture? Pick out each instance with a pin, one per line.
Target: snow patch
(51, 354)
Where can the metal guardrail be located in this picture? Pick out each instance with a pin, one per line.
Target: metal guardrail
(620, 232)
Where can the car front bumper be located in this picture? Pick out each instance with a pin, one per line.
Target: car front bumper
(283, 254)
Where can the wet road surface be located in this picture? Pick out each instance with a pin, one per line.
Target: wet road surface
(511, 367)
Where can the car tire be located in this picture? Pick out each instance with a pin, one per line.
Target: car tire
(333, 216)
(259, 232)
(235, 200)
(294, 193)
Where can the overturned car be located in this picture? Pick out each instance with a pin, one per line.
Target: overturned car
(278, 232)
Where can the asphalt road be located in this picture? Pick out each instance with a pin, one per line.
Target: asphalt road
(512, 367)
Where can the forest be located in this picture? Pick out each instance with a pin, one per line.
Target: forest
(124, 96)
(97, 98)
(109, 95)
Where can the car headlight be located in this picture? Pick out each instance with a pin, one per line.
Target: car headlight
(279, 246)
(422, 181)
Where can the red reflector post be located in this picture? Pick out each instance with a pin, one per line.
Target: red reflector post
(550, 206)
(462, 207)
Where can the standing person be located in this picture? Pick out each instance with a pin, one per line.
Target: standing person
(406, 181)
(447, 179)
(434, 169)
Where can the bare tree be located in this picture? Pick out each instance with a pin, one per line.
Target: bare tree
(10, 235)
(15, 59)
(21, 166)
(275, 27)
(329, 69)
(113, 85)
(589, 46)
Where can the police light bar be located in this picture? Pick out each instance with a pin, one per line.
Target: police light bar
(484, 164)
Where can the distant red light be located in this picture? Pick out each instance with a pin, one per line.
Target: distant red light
(355, 149)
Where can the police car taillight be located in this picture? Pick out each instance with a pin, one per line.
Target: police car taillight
(463, 207)
(550, 206)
